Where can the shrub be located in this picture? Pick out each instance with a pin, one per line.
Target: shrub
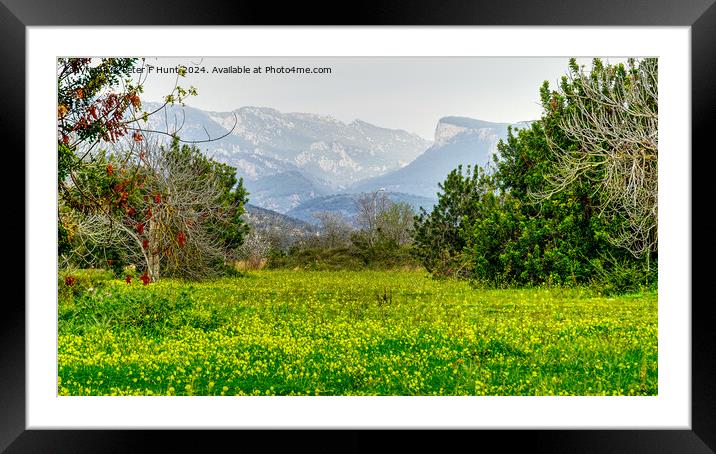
(72, 283)
(613, 276)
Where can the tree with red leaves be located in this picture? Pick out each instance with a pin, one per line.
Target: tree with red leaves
(141, 203)
(98, 104)
(185, 219)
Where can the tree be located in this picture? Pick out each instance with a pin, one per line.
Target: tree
(255, 249)
(368, 206)
(395, 223)
(531, 222)
(515, 240)
(173, 212)
(335, 229)
(440, 236)
(97, 102)
(611, 115)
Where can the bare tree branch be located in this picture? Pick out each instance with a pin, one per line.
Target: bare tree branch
(614, 121)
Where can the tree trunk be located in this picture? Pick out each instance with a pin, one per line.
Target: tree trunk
(153, 253)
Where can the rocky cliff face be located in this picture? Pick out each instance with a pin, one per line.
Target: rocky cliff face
(458, 141)
(312, 154)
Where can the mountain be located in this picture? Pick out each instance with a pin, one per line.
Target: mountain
(458, 141)
(264, 219)
(280, 230)
(283, 191)
(345, 204)
(299, 163)
(287, 158)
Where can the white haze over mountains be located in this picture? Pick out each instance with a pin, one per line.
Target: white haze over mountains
(299, 163)
(410, 93)
(458, 141)
(418, 119)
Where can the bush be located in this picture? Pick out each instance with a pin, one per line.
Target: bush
(613, 276)
(317, 259)
(359, 256)
(72, 283)
(382, 253)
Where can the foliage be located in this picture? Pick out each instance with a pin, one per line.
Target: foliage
(383, 239)
(170, 209)
(316, 259)
(386, 240)
(502, 228)
(358, 255)
(522, 242)
(354, 333)
(395, 223)
(383, 252)
(614, 276)
(231, 198)
(440, 236)
(97, 102)
(255, 249)
(369, 206)
(108, 193)
(335, 229)
(75, 282)
(611, 115)
(89, 108)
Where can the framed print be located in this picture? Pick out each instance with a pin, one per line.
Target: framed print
(257, 202)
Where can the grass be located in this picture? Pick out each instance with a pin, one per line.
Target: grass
(279, 332)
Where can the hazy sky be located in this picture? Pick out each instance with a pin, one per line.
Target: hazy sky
(410, 93)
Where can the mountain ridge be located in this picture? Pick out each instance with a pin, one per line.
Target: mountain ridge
(346, 205)
(288, 159)
(264, 143)
(458, 141)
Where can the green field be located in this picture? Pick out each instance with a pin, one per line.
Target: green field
(352, 333)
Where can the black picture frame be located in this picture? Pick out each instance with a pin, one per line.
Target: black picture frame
(700, 15)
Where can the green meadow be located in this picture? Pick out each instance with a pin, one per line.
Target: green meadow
(283, 332)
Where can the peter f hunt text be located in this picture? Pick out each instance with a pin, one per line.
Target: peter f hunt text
(235, 69)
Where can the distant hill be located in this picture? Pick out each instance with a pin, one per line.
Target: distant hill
(263, 218)
(345, 204)
(283, 191)
(279, 230)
